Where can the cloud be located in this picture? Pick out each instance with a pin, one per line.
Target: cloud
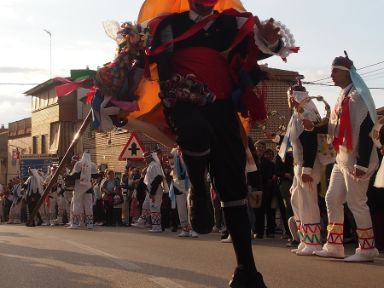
(10, 69)
(23, 110)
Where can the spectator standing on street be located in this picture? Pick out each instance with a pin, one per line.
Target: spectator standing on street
(110, 187)
(126, 186)
(98, 208)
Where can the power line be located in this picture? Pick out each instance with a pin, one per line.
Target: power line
(330, 85)
(371, 65)
(319, 84)
(373, 71)
(375, 64)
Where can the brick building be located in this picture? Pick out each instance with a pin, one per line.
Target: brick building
(109, 146)
(19, 144)
(55, 119)
(277, 86)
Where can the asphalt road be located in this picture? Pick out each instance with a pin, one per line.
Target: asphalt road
(129, 257)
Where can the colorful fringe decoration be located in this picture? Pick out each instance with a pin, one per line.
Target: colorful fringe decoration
(366, 238)
(311, 233)
(335, 233)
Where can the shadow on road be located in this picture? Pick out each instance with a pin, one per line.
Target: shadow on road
(32, 258)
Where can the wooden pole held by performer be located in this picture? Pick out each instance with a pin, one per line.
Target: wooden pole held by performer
(62, 162)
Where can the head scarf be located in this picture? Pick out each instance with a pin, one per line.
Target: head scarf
(35, 182)
(310, 109)
(86, 168)
(346, 64)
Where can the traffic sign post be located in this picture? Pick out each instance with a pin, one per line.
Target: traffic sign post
(133, 150)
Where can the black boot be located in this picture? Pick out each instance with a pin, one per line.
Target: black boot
(244, 279)
(246, 275)
(199, 199)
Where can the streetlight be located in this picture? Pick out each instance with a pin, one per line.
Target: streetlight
(50, 52)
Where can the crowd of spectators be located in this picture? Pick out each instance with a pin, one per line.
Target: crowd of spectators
(118, 201)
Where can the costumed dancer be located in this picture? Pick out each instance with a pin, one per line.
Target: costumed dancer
(357, 159)
(202, 56)
(54, 198)
(82, 173)
(179, 190)
(153, 179)
(145, 215)
(66, 202)
(15, 211)
(34, 188)
(379, 142)
(307, 170)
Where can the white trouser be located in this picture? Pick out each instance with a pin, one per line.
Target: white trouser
(181, 204)
(82, 204)
(304, 195)
(155, 208)
(52, 197)
(125, 209)
(44, 212)
(14, 213)
(67, 204)
(344, 188)
(305, 205)
(61, 207)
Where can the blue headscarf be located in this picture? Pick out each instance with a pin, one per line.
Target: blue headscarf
(344, 63)
(364, 92)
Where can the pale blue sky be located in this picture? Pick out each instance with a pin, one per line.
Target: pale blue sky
(323, 29)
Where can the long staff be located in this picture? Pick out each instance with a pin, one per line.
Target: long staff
(61, 165)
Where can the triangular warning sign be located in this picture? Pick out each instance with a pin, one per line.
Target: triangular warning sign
(133, 150)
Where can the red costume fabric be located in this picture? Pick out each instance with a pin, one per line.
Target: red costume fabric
(345, 130)
(207, 65)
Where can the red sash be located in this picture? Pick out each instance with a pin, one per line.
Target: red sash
(208, 65)
(345, 129)
(243, 32)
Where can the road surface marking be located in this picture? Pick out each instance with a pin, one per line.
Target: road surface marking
(121, 262)
(164, 282)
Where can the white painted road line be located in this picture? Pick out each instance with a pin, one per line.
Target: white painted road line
(121, 262)
(164, 282)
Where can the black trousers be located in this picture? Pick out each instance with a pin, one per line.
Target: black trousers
(215, 128)
(31, 203)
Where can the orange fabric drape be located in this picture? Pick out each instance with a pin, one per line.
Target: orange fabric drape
(153, 8)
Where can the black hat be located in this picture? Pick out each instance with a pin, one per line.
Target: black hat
(343, 63)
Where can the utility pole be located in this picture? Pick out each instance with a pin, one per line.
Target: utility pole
(50, 52)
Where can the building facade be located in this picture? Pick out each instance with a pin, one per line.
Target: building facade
(3, 155)
(19, 144)
(277, 104)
